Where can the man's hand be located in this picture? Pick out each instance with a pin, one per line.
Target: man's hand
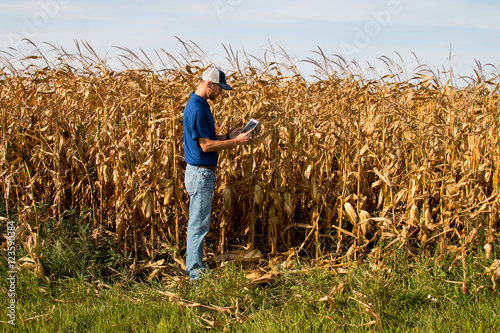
(237, 131)
(234, 133)
(241, 138)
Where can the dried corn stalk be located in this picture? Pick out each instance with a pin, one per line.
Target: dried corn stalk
(340, 162)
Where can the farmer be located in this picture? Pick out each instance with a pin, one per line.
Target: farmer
(201, 146)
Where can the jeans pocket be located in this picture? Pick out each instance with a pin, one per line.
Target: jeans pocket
(190, 180)
(207, 181)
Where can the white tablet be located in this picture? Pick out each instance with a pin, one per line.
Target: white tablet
(250, 125)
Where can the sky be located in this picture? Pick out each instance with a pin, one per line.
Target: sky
(438, 33)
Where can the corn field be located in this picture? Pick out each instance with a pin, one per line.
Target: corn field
(343, 165)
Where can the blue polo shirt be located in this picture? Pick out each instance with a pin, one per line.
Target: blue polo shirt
(198, 123)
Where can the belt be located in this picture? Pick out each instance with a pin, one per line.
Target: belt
(206, 167)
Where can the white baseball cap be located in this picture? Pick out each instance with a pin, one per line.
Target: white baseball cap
(216, 76)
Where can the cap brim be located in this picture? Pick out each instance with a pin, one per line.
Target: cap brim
(225, 86)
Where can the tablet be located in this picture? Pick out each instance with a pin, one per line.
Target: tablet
(250, 125)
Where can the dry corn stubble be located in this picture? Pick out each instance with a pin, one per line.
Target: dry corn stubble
(340, 163)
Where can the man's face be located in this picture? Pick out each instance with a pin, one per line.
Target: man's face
(213, 91)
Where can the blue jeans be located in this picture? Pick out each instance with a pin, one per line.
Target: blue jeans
(200, 185)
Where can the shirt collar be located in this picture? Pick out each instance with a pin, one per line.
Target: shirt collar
(199, 99)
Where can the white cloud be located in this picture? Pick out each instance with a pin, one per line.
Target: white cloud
(458, 13)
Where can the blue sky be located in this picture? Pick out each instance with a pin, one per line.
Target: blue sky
(360, 30)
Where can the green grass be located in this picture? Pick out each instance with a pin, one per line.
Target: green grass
(289, 304)
(89, 290)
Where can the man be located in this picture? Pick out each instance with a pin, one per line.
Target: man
(201, 146)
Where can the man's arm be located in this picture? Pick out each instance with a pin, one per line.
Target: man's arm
(208, 145)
